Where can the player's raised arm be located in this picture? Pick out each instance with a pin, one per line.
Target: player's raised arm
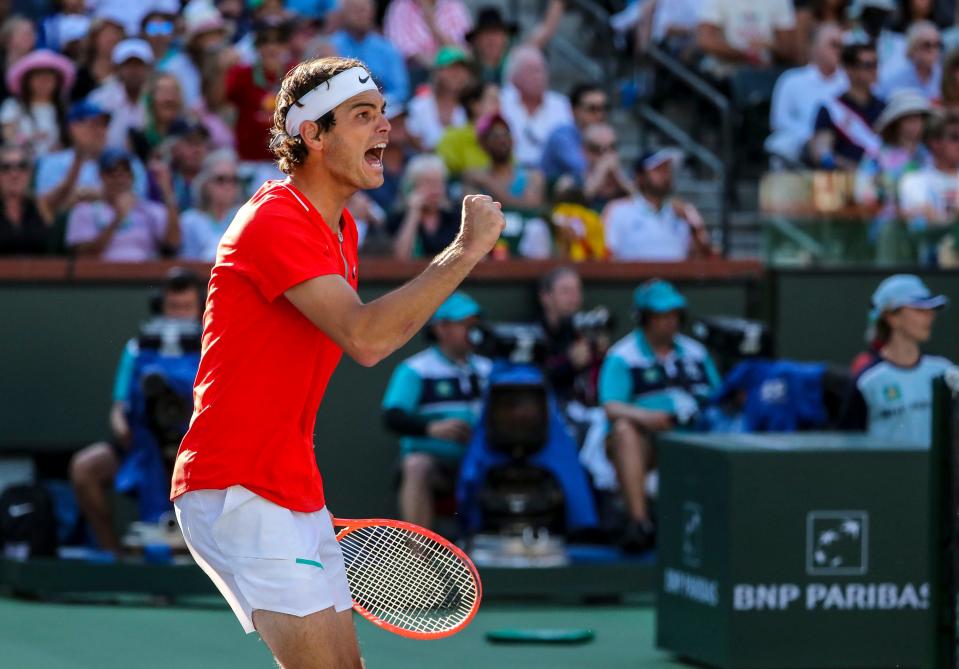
(370, 332)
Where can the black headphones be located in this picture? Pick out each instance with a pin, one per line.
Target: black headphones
(177, 280)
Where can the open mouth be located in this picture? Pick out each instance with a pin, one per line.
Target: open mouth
(374, 155)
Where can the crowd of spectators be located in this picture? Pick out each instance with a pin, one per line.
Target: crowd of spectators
(861, 86)
(133, 131)
(877, 101)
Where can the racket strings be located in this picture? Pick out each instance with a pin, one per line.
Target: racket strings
(416, 564)
(404, 607)
(408, 580)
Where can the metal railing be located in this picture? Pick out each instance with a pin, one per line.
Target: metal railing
(721, 164)
(603, 66)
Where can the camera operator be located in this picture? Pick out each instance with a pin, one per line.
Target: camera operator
(432, 402)
(576, 341)
(94, 468)
(652, 380)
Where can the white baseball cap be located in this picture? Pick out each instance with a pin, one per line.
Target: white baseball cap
(132, 48)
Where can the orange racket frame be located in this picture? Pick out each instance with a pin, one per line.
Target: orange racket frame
(349, 525)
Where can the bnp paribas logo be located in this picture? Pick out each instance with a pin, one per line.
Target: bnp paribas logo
(837, 543)
(692, 548)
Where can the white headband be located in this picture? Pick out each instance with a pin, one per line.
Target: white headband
(328, 95)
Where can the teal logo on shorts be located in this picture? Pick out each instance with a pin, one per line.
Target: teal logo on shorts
(312, 563)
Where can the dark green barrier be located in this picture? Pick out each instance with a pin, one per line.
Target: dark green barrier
(794, 552)
(821, 315)
(61, 341)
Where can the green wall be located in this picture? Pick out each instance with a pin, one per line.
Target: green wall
(60, 342)
(822, 315)
(59, 345)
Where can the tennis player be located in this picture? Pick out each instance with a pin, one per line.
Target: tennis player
(281, 310)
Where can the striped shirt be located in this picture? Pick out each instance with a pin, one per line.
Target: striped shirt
(406, 26)
(431, 386)
(677, 384)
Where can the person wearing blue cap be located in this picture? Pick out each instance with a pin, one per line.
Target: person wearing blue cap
(652, 225)
(652, 380)
(432, 402)
(891, 396)
(120, 226)
(73, 174)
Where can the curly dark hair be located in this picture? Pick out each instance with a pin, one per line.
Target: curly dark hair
(290, 151)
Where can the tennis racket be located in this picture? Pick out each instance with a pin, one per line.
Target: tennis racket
(406, 579)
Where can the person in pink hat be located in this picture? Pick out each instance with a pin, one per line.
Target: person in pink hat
(33, 115)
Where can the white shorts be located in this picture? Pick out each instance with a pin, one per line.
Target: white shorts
(263, 556)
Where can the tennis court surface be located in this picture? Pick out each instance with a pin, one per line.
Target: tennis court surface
(40, 635)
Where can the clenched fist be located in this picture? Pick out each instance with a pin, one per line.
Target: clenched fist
(482, 224)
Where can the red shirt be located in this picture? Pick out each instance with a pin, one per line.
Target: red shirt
(253, 93)
(264, 366)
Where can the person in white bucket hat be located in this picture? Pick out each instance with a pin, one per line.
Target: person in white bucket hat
(900, 126)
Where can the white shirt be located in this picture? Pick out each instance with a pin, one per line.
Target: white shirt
(201, 234)
(675, 14)
(901, 75)
(637, 231)
(39, 129)
(530, 131)
(124, 114)
(181, 67)
(747, 21)
(930, 189)
(53, 168)
(797, 97)
(423, 121)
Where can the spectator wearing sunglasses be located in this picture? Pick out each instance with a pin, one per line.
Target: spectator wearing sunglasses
(564, 152)
(605, 178)
(653, 225)
(158, 28)
(800, 92)
(929, 197)
(120, 226)
(519, 189)
(217, 195)
(844, 125)
(921, 69)
(24, 221)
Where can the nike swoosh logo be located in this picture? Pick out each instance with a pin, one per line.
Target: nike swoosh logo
(363, 80)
